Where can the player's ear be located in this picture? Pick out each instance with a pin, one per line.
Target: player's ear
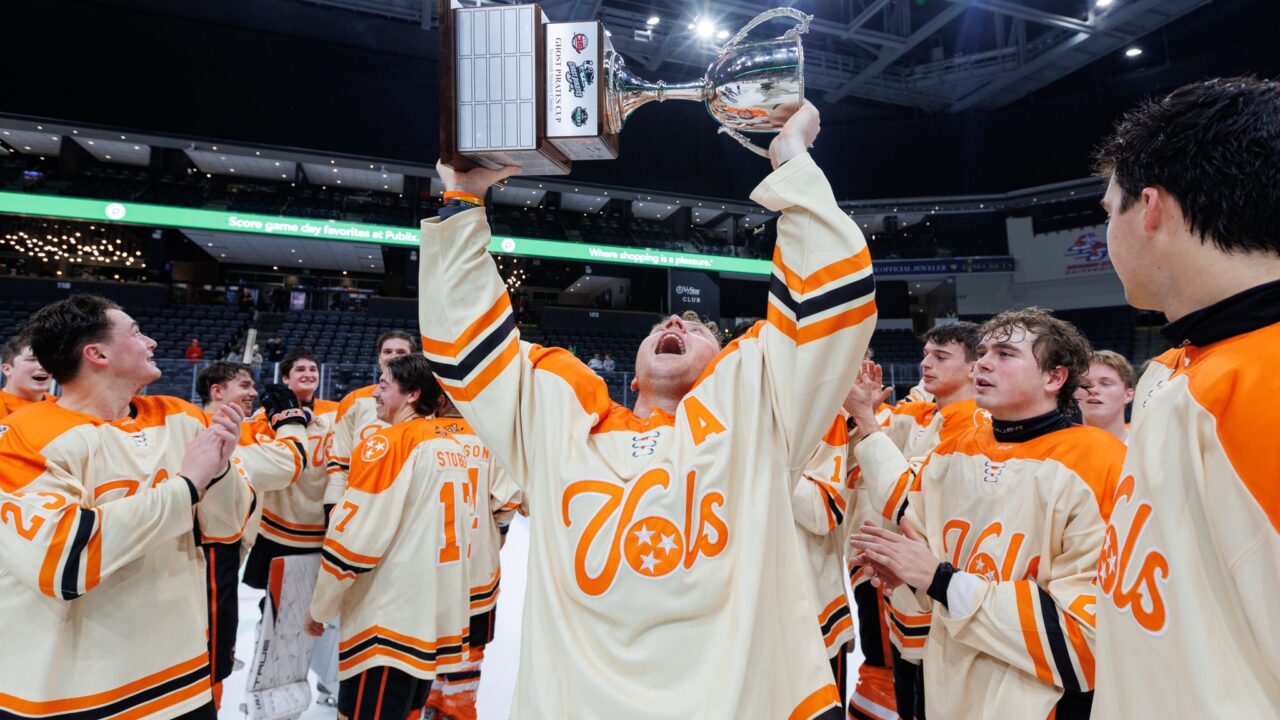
(1055, 379)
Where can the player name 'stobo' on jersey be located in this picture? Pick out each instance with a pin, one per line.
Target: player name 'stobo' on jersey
(395, 559)
(102, 583)
(664, 555)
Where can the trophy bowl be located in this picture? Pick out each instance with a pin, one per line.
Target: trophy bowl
(744, 88)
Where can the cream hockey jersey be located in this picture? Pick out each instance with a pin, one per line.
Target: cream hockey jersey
(821, 502)
(495, 499)
(102, 582)
(1190, 572)
(664, 562)
(356, 419)
(887, 462)
(395, 558)
(1025, 522)
(294, 516)
(273, 461)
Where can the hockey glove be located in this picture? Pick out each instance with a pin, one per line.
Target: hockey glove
(281, 407)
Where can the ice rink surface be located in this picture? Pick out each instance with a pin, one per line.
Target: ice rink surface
(501, 658)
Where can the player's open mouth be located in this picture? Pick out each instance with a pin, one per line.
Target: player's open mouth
(669, 344)
(982, 383)
(40, 377)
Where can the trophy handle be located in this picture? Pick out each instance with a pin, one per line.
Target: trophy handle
(743, 141)
(802, 20)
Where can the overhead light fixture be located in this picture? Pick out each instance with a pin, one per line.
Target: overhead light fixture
(722, 35)
(704, 28)
(1133, 52)
(653, 20)
(1104, 3)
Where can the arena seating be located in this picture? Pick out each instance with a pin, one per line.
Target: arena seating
(896, 346)
(338, 336)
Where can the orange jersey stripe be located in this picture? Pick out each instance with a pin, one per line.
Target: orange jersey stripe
(50, 707)
(469, 391)
(382, 651)
(1083, 653)
(823, 275)
(49, 568)
(820, 700)
(821, 328)
(425, 645)
(839, 627)
(1030, 631)
(326, 566)
(295, 526)
(150, 709)
(473, 331)
(337, 547)
(831, 607)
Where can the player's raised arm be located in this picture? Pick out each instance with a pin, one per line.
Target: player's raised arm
(821, 298)
(469, 334)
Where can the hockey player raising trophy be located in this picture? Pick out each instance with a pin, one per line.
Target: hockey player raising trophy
(662, 540)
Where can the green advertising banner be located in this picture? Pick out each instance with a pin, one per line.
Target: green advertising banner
(54, 206)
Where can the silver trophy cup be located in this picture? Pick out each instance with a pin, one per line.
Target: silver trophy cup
(744, 89)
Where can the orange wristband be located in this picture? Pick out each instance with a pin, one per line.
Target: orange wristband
(465, 197)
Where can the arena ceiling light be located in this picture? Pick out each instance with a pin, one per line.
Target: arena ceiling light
(117, 151)
(518, 196)
(582, 202)
(653, 20)
(1133, 52)
(244, 249)
(32, 142)
(1104, 3)
(372, 178)
(223, 163)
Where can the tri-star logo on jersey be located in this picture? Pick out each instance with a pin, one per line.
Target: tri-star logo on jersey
(374, 448)
(653, 546)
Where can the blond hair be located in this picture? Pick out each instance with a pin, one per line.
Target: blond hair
(1117, 362)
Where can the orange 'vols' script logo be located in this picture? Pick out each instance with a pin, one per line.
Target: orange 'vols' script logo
(1142, 595)
(653, 546)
